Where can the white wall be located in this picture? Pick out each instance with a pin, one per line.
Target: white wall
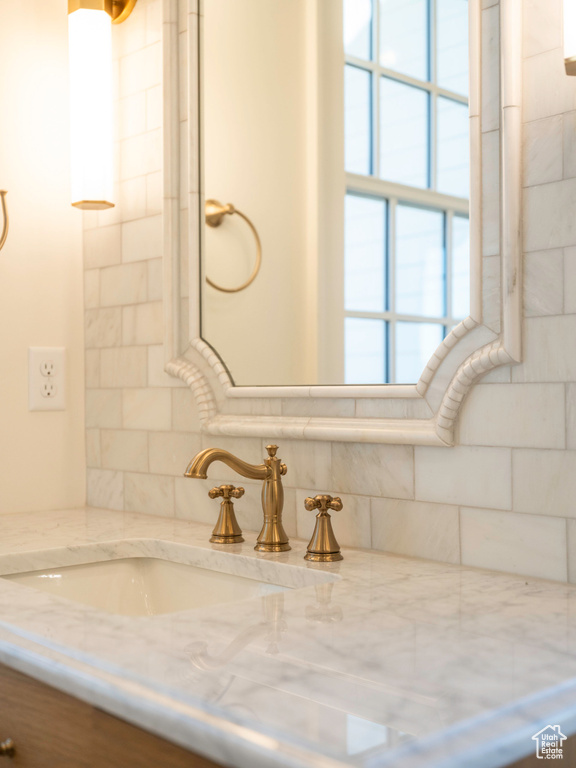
(41, 454)
(503, 498)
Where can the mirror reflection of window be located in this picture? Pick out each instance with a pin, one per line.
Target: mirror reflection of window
(407, 270)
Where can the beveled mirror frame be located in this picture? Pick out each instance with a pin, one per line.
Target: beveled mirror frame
(422, 414)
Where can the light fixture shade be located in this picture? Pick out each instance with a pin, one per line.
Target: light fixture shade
(570, 36)
(91, 138)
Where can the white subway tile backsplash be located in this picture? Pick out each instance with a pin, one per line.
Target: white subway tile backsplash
(154, 194)
(184, 411)
(464, 475)
(105, 489)
(545, 482)
(545, 222)
(542, 26)
(543, 141)
(153, 22)
(104, 408)
(549, 350)
(155, 279)
(569, 144)
(132, 115)
(133, 202)
(504, 541)
(92, 288)
(149, 494)
(102, 246)
(124, 284)
(92, 367)
(546, 89)
(523, 415)
(143, 323)
(103, 328)
(154, 108)
(570, 280)
(142, 239)
(416, 529)
(171, 452)
(372, 470)
(124, 367)
(140, 155)
(571, 416)
(93, 457)
(149, 409)
(544, 283)
(141, 70)
(124, 450)
(571, 551)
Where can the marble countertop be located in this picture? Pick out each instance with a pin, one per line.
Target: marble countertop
(396, 661)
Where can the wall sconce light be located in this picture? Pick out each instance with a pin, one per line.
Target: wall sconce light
(570, 36)
(91, 137)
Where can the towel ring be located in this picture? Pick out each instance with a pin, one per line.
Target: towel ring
(215, 213)
(4, 235)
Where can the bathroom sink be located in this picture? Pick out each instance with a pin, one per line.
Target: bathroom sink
(144, 586)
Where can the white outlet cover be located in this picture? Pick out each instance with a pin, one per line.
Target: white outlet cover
(46, 378)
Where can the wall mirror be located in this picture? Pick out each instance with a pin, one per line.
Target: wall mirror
(373, 107)
(342, 202)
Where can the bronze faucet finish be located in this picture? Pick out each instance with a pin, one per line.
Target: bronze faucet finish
(226, 530)
(323, 547)
(272, 537)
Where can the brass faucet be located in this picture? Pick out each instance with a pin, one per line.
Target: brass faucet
(272, 537)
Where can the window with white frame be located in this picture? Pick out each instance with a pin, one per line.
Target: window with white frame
(407, 273)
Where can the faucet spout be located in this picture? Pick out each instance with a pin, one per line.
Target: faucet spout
(272, 537)
(198, 467)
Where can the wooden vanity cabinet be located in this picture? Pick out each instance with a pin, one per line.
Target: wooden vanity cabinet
(54, 730)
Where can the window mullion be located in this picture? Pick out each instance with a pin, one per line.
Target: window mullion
(433, 102)
(391, 297)
(448, 246)
(375, 88)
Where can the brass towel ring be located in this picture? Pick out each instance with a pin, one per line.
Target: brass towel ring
(4, 235)
(215, 213)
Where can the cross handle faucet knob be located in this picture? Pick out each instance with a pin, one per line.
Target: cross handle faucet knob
(323, 503)
(323, 547)
(226, 492)
(226, 530)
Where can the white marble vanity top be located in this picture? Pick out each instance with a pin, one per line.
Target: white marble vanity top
(426, 664)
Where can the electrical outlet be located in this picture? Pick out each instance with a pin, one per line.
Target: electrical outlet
(48, 389)
(47, 368)
(46, 379)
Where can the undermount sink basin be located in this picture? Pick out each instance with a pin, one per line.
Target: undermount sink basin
(144, 586)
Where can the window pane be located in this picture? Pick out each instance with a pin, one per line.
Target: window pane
(358, 134)
(365, 254)
(403, 133)
(404, 37)
(453, 148)
(420, 262)
(365, 355)
(358, 28)
(452, 26)
(415, 343)
(460, 267)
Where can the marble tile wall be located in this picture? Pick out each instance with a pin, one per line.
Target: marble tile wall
(504, 498)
